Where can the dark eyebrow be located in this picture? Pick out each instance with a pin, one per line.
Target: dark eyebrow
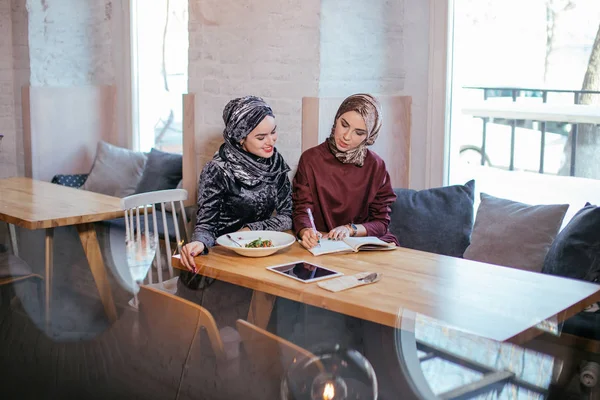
(357, 130)
(265, 133)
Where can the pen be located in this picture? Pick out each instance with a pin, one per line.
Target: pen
(312, 223)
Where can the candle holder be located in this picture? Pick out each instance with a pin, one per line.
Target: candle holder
(332, 374)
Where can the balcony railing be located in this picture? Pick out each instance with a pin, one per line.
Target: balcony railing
(544, 112)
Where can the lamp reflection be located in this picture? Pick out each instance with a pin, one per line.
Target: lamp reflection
(329, 387)
(334, 373)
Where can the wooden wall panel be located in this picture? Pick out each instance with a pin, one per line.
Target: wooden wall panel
(62, 127)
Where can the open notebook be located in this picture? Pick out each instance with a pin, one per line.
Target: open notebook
(351, 244)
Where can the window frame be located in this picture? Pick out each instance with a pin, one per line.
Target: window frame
(439, 93)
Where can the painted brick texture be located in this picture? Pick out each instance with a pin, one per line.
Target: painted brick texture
(285, 50)
(361, 47)
(21, 72)
(268, 48)
(8, 165)
(70, 42)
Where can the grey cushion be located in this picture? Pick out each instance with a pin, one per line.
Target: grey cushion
(162, 171)
(514, 234)
(168, 207)
(575, 252)
(437, 220)
(116, 171)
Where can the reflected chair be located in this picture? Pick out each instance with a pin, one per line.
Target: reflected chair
(173, 334)
(14, 270)
(268, 357)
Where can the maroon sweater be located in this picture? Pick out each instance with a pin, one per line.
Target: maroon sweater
(339, 193)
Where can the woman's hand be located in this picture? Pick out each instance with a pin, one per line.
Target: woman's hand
(244, 229)
(188, 252)
(339, 233)
(309, 238)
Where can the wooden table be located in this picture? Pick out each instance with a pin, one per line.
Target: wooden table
(33, 204)
(495, 302)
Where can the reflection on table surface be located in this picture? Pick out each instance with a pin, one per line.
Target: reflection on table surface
(456, 364)
(163, 348)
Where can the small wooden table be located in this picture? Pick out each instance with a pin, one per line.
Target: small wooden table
(498, 303)
(33, 204)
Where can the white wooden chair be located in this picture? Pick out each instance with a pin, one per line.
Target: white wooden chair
(142, 227)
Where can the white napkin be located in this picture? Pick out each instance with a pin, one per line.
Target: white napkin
(350, 281)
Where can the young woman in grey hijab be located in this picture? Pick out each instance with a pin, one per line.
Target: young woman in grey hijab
(244, 187)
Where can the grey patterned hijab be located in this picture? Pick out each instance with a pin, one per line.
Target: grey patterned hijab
(368, 107)
(241, 116)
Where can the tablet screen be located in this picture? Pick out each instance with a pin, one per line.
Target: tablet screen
(304, 271)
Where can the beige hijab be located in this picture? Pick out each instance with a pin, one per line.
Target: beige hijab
(369, 108)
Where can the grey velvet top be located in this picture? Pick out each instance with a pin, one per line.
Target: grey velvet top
(225, 205)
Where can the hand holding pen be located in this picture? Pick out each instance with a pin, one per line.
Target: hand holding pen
(310, 236)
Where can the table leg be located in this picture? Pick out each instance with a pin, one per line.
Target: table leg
(89, 241)
(49, 268)
(261, 307)
(12, 234)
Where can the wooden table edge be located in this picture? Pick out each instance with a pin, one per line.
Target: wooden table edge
(310, 298)
(302, 296)
(50, 223)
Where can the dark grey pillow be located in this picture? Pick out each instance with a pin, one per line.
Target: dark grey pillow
(514, 234)
(437, 220)
(575, 253)
(163, 171)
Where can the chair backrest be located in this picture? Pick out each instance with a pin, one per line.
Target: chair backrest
(170, 339)
(268, 354)
(172, 319)
(138, 228)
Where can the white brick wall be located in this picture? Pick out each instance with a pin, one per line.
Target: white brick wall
(70, 42)
(8, 164)
(49, 42)
(21, 72)
(268, 48)
(415, 26)
(284, 50)
(362, 47)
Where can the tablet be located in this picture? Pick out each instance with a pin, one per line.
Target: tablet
(304, 271)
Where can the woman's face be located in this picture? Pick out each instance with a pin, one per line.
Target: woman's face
(261, 141)
(350, 131)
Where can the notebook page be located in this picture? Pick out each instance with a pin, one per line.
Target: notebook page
(330, 246)
(357, 241)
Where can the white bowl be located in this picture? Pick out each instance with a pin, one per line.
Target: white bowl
(280, 240)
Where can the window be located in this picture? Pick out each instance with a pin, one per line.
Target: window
(159, 72)
(519, 89)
